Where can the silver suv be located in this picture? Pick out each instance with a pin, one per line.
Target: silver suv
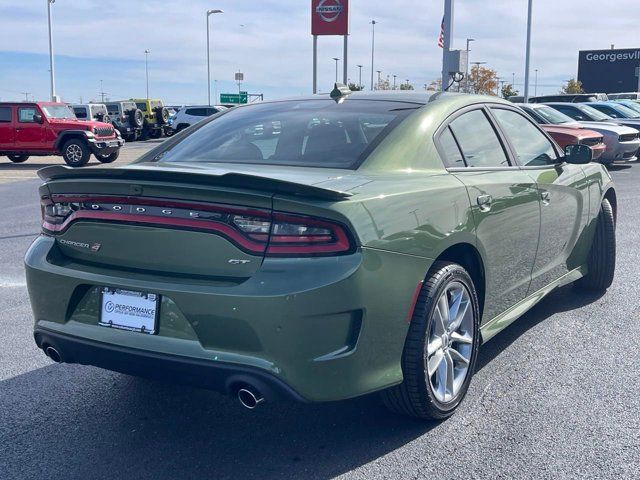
(127, 118)
(91, 111)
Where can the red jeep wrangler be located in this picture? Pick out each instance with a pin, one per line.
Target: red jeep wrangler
(47, 128)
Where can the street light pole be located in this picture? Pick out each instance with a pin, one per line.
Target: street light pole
(336, 60)
(51, 66)
(475, 83)
(359, 75)
(146, 68)
(528, 53)
(469, 40)
(535, 90)
(373, 47)
(394, 82)
(209, 13)
(378, 72)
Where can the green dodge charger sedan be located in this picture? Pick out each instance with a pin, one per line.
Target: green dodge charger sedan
(319, 248)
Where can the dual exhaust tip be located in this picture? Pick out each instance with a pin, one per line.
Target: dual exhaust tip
(53, 354)
(248, 397)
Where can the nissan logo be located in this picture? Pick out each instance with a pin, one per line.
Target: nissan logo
(329, 10)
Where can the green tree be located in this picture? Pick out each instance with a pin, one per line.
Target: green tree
(355, 88)
(508, 91)
(406, 86)
(572, 86)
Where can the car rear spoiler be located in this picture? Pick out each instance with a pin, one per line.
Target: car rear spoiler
(232, 179)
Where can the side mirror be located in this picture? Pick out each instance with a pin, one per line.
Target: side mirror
(37, 118)
(578, 154)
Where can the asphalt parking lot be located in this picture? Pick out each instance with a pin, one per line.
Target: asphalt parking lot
(556, 395)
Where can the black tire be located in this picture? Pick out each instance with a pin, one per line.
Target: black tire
(108, 158)
(181, 127)
(136, 117)
(157, 133)
(415, 396)
(18, 158)
(162, 115)
(601, 263)
(75, 152)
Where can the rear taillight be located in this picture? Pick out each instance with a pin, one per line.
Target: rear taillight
(254, 230)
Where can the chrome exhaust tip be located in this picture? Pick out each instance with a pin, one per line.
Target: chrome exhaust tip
(249, 399)
(53, 354)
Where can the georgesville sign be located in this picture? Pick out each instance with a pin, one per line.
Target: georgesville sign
(329, 17)
(609, 71)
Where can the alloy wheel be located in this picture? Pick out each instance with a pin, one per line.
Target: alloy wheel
(450, 342)
(74, 153)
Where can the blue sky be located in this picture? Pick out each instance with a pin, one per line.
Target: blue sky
(270, 42)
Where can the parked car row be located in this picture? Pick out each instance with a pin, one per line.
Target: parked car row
(610, 127)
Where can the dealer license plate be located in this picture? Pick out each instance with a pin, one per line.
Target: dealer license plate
(127, 310)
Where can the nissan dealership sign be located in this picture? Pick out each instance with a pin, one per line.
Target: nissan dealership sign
(609, 71)
(329, 17)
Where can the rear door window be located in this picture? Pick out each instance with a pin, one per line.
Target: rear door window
(80, 112)
(450, 151)
(478, 140)
(5, 114)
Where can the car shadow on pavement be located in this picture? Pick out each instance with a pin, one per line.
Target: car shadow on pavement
(22, 167)
(561, 300)
(90, 423)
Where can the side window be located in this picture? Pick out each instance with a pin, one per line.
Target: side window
(607, 111)
(449, 149)
(478, 141)
(25, 114)
(572, 112)
(5, 114)
(80, 112)
(531, 145)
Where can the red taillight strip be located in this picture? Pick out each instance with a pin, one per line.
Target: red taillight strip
(208, 225)
(208, 207)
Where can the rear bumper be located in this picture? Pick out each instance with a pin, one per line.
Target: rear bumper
(225, 378)
(329, 328)
(105, 147)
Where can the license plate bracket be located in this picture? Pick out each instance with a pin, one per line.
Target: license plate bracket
(129, 310)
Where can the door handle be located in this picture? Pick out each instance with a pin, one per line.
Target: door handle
(545, 196)
(484, 202)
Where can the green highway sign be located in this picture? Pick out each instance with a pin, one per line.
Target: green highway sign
(242, 97)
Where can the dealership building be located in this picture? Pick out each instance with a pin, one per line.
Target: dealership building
(609, 71)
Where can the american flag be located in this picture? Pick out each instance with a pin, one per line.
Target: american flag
(441, 37)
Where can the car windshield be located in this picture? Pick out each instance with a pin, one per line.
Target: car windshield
(58, 111)
(553, 116)
(594, 114)
(313, 133)
(625, 112)
(633, 106)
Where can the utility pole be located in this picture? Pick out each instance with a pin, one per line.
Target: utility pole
(528, 53)
(102, 93)
(359, 75)
(535, 90)
(378, 72)
(447, 37)
(26, 96)
(51, 65)
(373, 47)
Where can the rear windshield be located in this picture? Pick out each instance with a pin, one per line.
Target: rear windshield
(312, 133)
(551, 115)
